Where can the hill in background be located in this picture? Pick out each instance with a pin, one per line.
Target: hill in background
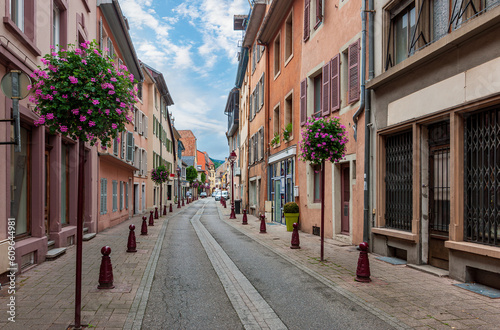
(217, 162)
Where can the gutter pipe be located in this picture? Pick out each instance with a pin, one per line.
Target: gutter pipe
(366, 107)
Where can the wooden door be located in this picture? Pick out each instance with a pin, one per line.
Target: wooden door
(345, 198)
(47, 193)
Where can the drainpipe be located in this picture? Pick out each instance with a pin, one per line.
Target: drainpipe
(366, 107)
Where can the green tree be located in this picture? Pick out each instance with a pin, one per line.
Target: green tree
(191, 174)
(203, 177)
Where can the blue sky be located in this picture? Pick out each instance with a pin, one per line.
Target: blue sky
(193, 44)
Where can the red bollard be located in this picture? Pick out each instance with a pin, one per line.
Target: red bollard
(156, 212)
(131, 245)
(295, 237)
(170, 209)
(262, 224)
(144, 227)
(151, 221)
(187, 201)
(363, 270)
(179, 203)
(165, 209)
(183, 202)
(245, 220)
(106, 271)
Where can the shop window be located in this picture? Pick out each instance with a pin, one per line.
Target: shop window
(399, 181)
(482, 178)
(20, 185)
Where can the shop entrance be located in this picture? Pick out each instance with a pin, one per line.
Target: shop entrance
(439, 194)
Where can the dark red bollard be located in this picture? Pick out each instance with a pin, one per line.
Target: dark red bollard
(363, 270)
(144, 227)
(151, 221)
(170, 209)
(245, 220)
(106, 271)
(183, 202)
(262, 224)
(179, 203)
(131, 245)
(165, 209)
(156, 212)
(187, 201)
(295, 237)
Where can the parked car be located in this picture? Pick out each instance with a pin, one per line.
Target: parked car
(218, 195)
(203, 194)
(225, 194)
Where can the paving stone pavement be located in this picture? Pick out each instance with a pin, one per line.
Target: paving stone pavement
(417, 299)
(45, 294)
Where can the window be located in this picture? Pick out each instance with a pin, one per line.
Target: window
(318, 10)
(261, 87)
(20, 186)
(254, 57)
(399, 181)
(130, 147)
(276, 120)
(115, 198)
(289, 37)
(313, 16)
(17, 13)
(115, 146)
(482, 181)
(139, 90)
(56, 27)
(318, 85)
(353, 73)
(277, 55)
(121, 196)
(126, 195)
(111, 49)
(317, 183)
(261, 143)
(104, 191)
(303, 102)
(404, 26)
(288, 113)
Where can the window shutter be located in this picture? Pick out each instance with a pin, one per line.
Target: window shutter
(126, 195)
(303, 102)
(262, 143)
(146, 126)
(319, 11)
(335, 83)
(262, 91)
(307, 13)
(145, 162)
(115, 146)
(139, 128)
(326, 90)
(132, 148)
(353, 78)
(101, 46)
(121, 196)
(250, 107)
(136, 120)
(123, 144)
(257, 92)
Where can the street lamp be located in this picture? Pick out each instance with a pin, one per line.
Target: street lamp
(179, 187)
(232, 158)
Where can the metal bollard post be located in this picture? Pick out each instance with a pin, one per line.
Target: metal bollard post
(262, 224)
(363, 270)
(295, 244)
(131, 245)
(245, 220)
(144, 227)
(106, 270)
(151, 221)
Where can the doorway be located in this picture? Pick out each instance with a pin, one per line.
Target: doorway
(345, 198)
(47, 193)
(439, 194)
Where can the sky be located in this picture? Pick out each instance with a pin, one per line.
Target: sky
(193, 44)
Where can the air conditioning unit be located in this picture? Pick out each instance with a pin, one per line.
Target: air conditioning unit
(237, 171)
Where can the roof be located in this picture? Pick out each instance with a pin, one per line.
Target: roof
(257, 13)
(189, 160)
(160, 82)
(186, 133)
(273, 20)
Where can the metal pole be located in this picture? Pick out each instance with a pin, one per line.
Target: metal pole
(79, 235)
(233, 214)
(322, 209)
(15, 110)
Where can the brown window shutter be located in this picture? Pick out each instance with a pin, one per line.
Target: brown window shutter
(353, 78)
(335, 83)
(319, 11)
(325, 111)
(307, 12)
(303, 102)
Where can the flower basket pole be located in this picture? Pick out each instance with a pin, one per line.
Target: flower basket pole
(160, 175)
(80, 94)
(322, 140)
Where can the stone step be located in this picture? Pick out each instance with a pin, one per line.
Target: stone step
(51, 243)
(54, 253)
(85, 230)
(88, 237)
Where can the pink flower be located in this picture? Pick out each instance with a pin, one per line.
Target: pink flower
(64, 96)
(83, 118)
(111, 92)
(79, 128)
(50, 116)
(113, 79)
(89, 111)
(106, 111)
(73, 80)
(96, 52)
(84, 61)
(63, 128)
(92, 79)
(114, 126)
(119, 111)
(83, 45)
(75, 111)
(78, 51)
(95, 102)
(91, 123)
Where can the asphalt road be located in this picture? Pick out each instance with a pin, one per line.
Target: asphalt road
(210, 276)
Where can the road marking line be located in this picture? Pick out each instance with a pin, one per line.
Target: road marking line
(246, 300)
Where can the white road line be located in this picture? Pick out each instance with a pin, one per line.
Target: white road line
(253, 311)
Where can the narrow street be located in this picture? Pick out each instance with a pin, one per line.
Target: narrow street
(211, 276)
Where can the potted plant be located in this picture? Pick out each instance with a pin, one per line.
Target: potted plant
(291, 210)
(287, 132)
(276, 140)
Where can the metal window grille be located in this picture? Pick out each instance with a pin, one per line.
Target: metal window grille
(399, 181)
(482, 178)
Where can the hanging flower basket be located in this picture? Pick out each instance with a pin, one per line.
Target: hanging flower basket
(83, 95)
(323, 139)
(195, 184)
(160, 175)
